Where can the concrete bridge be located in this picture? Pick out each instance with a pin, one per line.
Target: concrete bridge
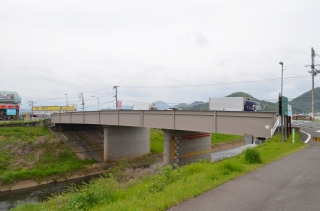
(187, 134)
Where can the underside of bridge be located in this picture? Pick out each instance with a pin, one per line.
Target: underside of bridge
(112, 143)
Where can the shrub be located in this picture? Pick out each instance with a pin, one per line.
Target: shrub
(252, 155)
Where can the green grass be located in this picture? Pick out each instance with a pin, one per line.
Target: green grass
(167, 187)
(22, 122)
(219, 137)
(34, 153)
(156, 138)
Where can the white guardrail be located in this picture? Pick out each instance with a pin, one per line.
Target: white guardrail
(275, 126)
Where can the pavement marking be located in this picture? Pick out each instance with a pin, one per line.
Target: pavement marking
(309, 136)
(318, 131)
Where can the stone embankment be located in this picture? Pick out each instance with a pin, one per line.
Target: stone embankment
(227, 145)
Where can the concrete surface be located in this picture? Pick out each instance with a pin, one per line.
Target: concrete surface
(215, 156)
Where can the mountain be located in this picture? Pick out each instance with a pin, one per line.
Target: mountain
(303, 103)
(162, 105)
(23, 111)
(181, 105)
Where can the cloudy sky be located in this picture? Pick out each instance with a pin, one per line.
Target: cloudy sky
(174, 51)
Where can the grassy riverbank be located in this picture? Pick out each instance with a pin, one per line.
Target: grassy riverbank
(34, 153)
(167, 186)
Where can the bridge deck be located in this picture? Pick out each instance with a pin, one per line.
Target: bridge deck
(230, 122)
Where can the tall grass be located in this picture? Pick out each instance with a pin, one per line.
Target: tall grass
(167, 187)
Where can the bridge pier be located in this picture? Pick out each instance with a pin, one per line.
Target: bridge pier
(123, 141)
(183, 147)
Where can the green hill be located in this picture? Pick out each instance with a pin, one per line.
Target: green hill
(302, 104)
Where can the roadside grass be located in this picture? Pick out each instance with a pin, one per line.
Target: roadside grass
(34, 153)
(167, 187)
(22, 122)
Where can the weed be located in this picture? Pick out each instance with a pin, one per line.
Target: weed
(252, 155)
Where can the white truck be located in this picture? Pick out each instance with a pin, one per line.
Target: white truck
(144, 106)
(233, 104)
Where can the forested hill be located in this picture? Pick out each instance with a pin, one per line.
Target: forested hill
(302, 104)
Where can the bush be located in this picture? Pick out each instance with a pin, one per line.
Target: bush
(252, 155)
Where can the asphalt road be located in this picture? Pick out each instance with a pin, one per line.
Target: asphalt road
(292, 183)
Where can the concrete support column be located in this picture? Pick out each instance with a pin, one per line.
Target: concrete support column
(183, 147)
(125, 142)
(105, 144)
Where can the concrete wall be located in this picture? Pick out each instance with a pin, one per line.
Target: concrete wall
(122, 141)
(182, 147)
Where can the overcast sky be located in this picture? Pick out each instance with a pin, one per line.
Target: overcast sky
(174, 51)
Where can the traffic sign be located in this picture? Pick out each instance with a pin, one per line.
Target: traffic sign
(283, 106)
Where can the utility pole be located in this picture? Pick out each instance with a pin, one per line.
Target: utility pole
(31, 105)
(81, 97)
(313, 73)
(116, 96)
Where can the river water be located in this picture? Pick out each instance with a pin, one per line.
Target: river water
(10, 199)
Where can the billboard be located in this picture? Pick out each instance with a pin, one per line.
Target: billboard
(53, 108)
(6, 96)
(10, 111)
(9, 97)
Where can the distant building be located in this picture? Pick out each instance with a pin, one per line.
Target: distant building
(48, 110)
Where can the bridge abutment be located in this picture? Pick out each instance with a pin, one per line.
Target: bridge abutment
(183, 147)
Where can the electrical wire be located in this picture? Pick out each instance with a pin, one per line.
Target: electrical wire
(217, 84)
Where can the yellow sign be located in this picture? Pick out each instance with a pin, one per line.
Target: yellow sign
(53, 108)
(316, 138)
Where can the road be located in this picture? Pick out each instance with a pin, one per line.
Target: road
(291, 183)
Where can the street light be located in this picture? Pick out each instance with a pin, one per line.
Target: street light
(281, 63)
(98, 101)
(282, 119)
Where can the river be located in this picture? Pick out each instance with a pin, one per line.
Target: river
(10, 199)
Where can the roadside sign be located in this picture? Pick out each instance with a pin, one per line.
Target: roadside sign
(289, 110)
(11, 111)
(283, 105)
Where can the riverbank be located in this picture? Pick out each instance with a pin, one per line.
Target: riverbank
(168, 185)
(91, 170)
(34, 153)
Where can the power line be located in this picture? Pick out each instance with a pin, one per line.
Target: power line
(217, 84)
